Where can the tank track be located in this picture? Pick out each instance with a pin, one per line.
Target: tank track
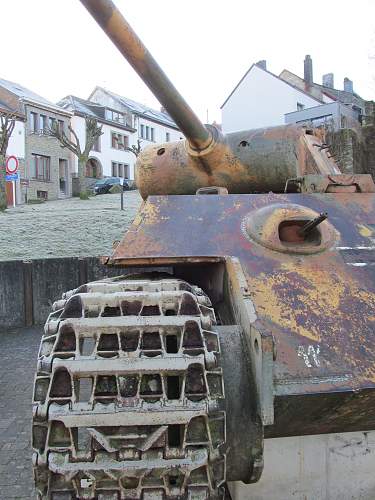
(126, 401)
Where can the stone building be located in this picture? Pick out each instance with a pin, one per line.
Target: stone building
(46, 169)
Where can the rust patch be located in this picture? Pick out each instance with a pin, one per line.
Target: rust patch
(295, 297)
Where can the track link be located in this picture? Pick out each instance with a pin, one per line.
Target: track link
(127, 392)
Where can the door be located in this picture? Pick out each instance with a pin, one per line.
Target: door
(63, 174)
(9, 193)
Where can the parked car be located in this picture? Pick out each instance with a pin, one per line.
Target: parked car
(104, 185)
(129, 184)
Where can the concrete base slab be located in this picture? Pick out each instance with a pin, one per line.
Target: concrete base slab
(323, 467)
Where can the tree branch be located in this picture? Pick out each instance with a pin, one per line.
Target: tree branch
(7, 124)
(135, 149)
(93, 132)
(78, 145)
(65, 142)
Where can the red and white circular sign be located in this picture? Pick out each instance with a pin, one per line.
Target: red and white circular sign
(11, 165)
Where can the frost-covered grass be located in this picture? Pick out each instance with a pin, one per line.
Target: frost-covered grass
(66, 228)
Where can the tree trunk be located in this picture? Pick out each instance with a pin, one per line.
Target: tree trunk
(83, 193)
(3, 195)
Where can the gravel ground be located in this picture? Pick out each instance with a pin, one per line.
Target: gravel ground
(66, 228)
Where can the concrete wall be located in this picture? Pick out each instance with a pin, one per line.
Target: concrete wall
(12, 290)
(368, 134)
(28, 288)
(323, 467)
(261, 100)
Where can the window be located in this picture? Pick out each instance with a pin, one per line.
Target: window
(51, 123)
(167, 137)
(61, 126)
(33, 122)
(40, 167)
(42, 195)
(116, 116)
(142, 131)
(152, 134)
(119, 141)
(300, 106)
(120, 170)
(42, 123)
(96, 146)
(147, 132)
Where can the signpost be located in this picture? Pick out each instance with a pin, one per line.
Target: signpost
(11, 168)
(12, 177)
(11, 165)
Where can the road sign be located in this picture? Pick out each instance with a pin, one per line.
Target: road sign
(11, 165)
(12, 177)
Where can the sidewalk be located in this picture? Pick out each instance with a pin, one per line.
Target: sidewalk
(17, 367)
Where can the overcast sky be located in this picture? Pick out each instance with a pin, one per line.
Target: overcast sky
(54, 48)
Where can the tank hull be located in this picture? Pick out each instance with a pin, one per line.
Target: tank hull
(313, 310)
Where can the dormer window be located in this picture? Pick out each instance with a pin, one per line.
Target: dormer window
(115, 116)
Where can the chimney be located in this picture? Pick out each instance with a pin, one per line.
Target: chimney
(348, 85)
(308, 70)
(262, 64)
(328, 80)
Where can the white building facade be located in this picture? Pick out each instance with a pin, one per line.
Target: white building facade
(16, 145)
(261, 99)
(151, 126)
(123, 122)
(16, 149)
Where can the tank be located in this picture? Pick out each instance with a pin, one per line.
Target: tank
(243, 310)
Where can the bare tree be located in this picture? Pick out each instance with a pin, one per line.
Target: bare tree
(135, 148)
(93, 132)
(7, 123)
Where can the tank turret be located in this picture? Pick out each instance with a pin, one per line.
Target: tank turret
(237, 161)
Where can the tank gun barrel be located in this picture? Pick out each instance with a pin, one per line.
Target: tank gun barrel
(131, 47)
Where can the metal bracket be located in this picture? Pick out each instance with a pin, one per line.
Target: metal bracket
(343, 183)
